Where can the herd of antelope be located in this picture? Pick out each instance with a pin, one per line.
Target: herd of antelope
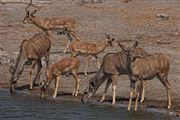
(139, 65)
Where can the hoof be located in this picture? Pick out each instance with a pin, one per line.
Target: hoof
(75, 93)
(113, 103)
(30, 88)
(169, 106)
(142, 101)
(54, 96)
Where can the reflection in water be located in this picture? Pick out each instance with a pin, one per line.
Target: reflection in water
(25, 107)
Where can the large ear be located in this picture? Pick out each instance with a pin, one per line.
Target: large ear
(112, 39)
(107, 36)
(92, 84)
(11, 70)
(121, 46)
(134, 46)
(32, 14)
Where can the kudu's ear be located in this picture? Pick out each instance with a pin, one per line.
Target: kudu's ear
(121, 46)
(92, 84)
(27, 14)
(111, 42)
(11, 70)
(134, 45)
(107, 36)
(112, 39)
(32, 14)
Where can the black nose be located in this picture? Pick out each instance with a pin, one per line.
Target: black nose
(83, 99)
(12, 89)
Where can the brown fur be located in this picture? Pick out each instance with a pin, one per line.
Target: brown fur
(70, 64)
(49, 24)
(90, 49)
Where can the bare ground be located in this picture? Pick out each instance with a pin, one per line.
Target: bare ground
(126, 22)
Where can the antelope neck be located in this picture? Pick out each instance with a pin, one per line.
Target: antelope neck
(128, 64)
(101, 46)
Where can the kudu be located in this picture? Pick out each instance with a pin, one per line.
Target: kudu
(49, 24)
(113, 65)
(31, 52)
(70, 64)
(146, 68)
(90, 49)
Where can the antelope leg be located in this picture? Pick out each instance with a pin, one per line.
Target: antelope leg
(109, 81)
(76, 89)
(87, 64)
(137, 87)
(74, 34)
(144, 83)
(167, 85)
(114, 84)
(38, 72)
(47, 60)
(67, 47)
(131, 95)
(30, 74)
(58, 78)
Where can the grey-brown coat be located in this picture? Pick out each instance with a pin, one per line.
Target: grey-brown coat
(31, 52)
(146, 68)
(113, 65)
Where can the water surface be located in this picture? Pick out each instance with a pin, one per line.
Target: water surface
(22, 106)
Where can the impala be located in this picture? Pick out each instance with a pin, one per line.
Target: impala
(90, 49)
(69, 64)
(49, 24)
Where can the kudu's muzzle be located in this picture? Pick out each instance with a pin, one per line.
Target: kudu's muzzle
(12, 87)
(86, 96)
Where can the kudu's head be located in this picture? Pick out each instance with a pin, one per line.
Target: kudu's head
(13, 79)
(109, 40)
(129, 51)
(29, 14)
(89, 91)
